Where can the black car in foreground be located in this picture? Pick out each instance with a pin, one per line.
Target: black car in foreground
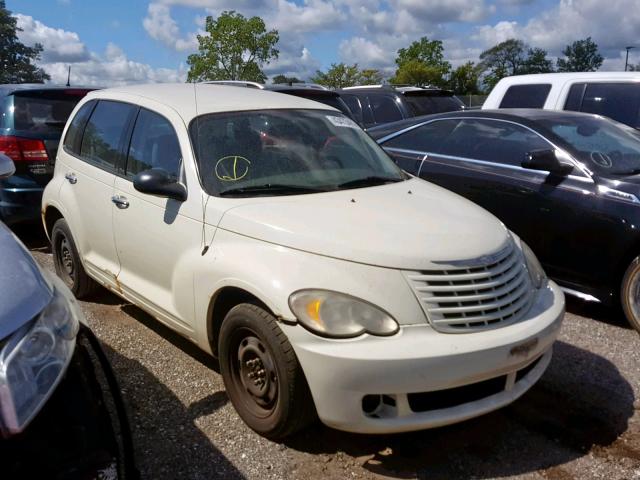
(32, 117)
(379, 104)
(567, 183)
(61, 415)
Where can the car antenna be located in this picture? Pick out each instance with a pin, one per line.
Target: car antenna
(69, 77)
(203, 237)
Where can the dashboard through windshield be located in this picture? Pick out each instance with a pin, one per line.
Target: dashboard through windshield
(280, 152)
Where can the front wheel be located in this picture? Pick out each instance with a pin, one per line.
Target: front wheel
(261, 373)
(630, 294)
(66, 260)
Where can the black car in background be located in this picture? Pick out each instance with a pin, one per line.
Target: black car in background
(567, 183)
(32, 117)
(310, 91)
(379, 104)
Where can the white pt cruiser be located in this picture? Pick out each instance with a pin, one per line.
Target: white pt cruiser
(276, 235)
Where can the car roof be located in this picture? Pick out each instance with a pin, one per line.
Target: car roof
(525, 116)
(400, 89)
(565, 76)
(211, 98)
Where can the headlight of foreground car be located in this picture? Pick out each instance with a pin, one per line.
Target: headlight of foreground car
(33, 361)
(334, 314)
(536, 272)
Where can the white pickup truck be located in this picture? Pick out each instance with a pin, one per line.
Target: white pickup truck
(612, 94)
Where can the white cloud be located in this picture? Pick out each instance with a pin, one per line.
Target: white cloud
(161, 26)
(59, 45)
(612, 26)
(365, 53)
(63, 49)
(438, 11)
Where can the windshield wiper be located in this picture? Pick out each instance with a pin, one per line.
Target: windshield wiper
(369, 181)
(270, 188)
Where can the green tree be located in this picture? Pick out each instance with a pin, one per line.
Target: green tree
(370, 76)
(280, 79)
(464, 79)
(429, 53)
(512, 57)
(415, 72)
(537, 62)
(16, 58)
(234, 48)
(581, 56)
(339, 75)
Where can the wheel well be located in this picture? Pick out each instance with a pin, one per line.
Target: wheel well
(222, 302)
(51, 216)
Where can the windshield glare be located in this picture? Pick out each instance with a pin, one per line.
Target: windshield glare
(306, 149)
(606, 147)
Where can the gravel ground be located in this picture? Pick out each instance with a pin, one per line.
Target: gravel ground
(581, 421)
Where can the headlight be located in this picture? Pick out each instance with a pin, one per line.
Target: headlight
(334, 314)
(33, 361)
(536, 272)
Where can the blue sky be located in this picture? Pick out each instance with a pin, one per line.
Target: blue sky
(134, 41)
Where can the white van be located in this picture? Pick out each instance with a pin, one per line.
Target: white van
(611, 94)
(276, 235)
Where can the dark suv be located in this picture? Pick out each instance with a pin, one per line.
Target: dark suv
(33, 117)
(377, 104)
(310, 91)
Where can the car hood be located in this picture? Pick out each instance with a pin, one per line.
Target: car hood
(404, 225)
(23, 290)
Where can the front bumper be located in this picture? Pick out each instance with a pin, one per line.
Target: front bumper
(82, 431)
(460, 375)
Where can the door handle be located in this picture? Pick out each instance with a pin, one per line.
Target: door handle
(71, 177)
(120, 201)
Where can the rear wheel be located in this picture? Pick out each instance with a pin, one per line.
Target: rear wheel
(262, 375)
(67, 262)
(630, 294)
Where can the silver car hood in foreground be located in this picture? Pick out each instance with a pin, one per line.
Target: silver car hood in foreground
(23, 290)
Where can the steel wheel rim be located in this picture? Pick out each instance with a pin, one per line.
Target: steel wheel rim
(254, 374)
(65, 260)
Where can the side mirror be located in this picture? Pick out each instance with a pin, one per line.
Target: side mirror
(7, 168)
(548, 161)
(157, 181)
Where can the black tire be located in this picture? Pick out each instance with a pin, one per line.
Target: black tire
(261, 373)
(630, 294)
(67, 261)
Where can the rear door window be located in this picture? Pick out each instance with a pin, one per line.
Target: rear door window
(427, 138)
(619, 101)
(154, 144)
(385, 109)
(526, 96)
(104, 134)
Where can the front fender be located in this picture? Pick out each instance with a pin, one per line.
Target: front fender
(272, 272)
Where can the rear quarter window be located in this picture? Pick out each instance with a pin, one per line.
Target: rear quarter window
(526, 96)
(73, 138)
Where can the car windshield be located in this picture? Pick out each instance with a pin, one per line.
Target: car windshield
(607, 147)
(284, 152)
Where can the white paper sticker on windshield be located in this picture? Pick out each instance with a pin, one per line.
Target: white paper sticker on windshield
(342, 121)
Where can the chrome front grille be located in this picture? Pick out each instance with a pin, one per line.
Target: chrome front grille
(478, 294)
